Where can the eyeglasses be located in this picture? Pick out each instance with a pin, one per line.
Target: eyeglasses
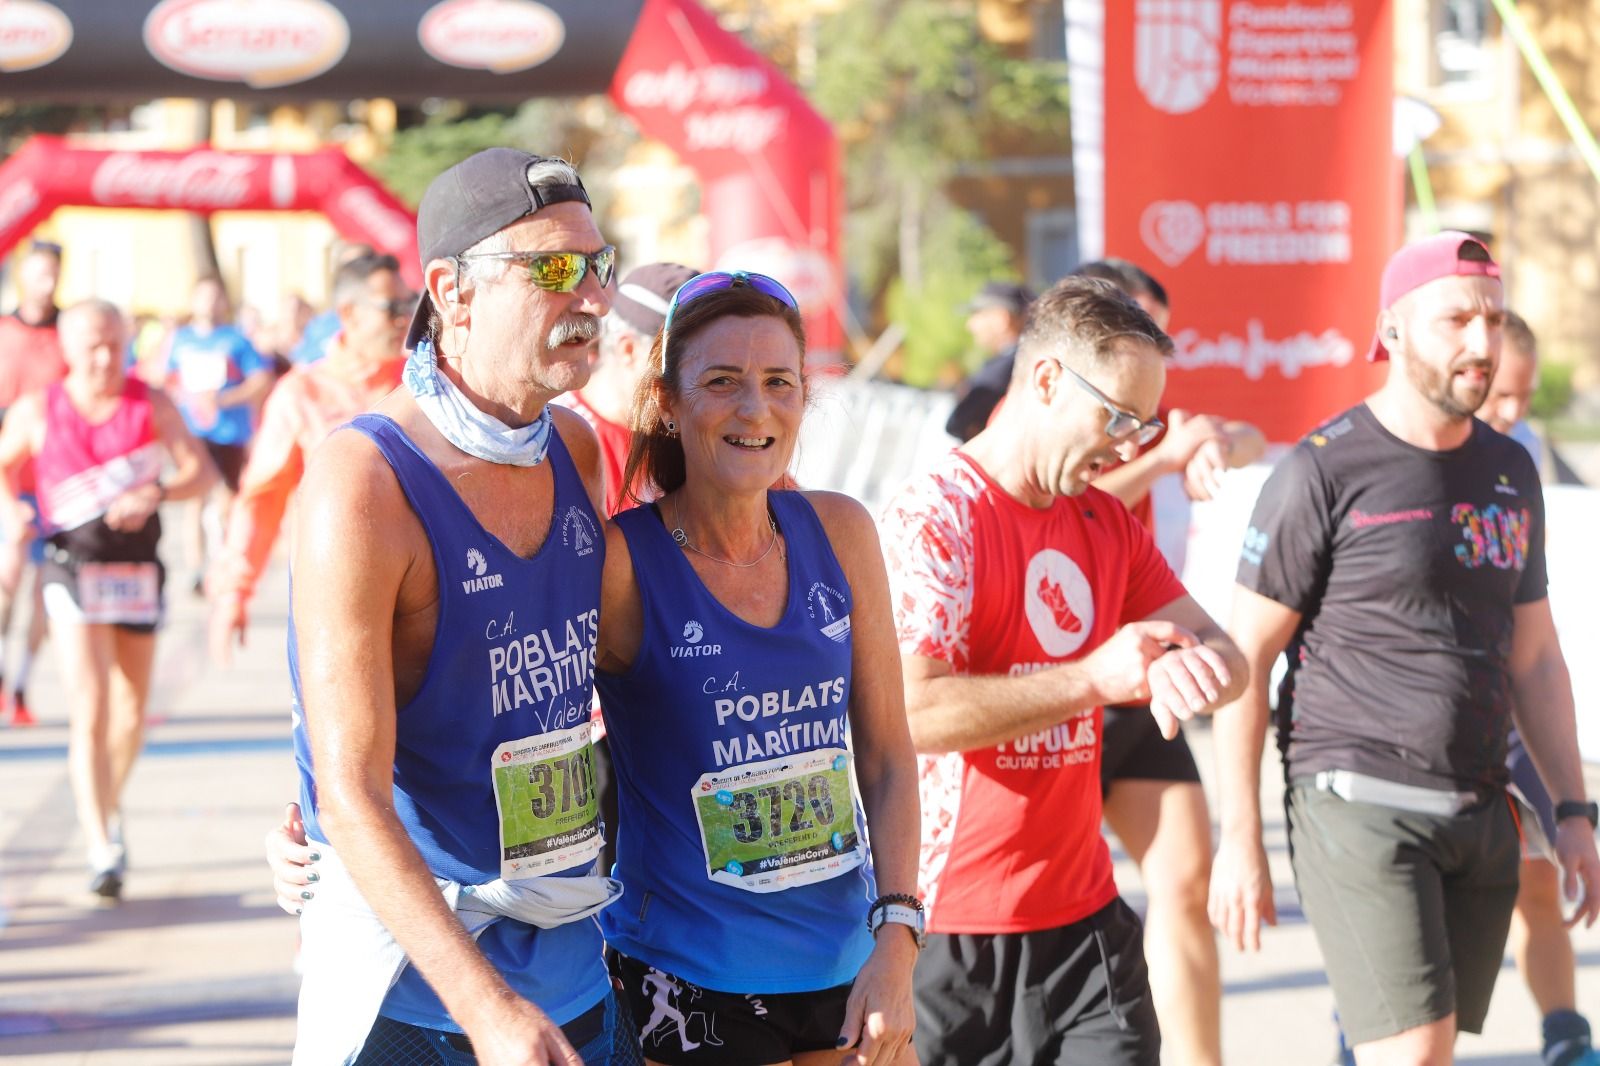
(1122, 425)
(401, 308)
(560, 271)
(718, 280)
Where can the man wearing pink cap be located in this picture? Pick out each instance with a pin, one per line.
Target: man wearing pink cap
(1397, 555)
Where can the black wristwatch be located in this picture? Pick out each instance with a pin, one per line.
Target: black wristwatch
(1577, 809)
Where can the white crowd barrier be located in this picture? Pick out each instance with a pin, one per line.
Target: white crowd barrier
(866, 438)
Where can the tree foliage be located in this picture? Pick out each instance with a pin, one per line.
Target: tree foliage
(585, 132)
(915, 92)
(20, 120)
(935, 332)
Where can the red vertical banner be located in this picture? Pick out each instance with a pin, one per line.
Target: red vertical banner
(1248, 164)
(767, 161)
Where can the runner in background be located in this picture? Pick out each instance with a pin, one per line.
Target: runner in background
(1515, 382)
(1538, 939)
(363, 365)
(30, 359)
(98, 441)
(276, 339)
(319, 330)
(217, 377)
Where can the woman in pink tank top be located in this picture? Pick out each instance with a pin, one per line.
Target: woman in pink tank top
(98, 442)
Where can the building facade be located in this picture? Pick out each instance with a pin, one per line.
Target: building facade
(1501, 162)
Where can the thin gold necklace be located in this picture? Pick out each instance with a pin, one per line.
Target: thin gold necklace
(683, 541)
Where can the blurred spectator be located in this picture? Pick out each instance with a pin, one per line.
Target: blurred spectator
(1514, 383)
(152, 337)
(1134, 280)
(318, 331)
(363, 364)
(30, 359)
(217, 376)
(994, 318)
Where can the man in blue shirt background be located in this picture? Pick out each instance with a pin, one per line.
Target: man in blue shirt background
(217, 377)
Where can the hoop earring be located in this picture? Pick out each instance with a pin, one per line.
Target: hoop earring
(671, 427)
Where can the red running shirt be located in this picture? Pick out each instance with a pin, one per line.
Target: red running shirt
(1011, 834)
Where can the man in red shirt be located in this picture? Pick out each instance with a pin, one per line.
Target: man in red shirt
(637, 311)
(30, 359)
(360, 365)
(1025, 600)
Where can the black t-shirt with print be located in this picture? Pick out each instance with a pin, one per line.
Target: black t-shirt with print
(1405, 565)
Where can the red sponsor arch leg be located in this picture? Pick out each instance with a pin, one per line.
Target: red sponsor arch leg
(47, 173)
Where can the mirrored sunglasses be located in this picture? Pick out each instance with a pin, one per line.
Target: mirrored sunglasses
(560, 271)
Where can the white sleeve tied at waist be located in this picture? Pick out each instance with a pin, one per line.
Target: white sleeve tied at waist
(350, 960)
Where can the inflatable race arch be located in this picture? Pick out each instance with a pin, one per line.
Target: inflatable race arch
(768, 164)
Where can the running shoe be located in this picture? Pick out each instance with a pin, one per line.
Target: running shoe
(108, 865)
(20, 715)
(107, 884)
(1588, 1056)
(1567, 1040)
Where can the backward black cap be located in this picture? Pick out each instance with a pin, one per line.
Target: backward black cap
(477, 197)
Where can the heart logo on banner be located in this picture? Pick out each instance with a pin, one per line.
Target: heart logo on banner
(1172, 229)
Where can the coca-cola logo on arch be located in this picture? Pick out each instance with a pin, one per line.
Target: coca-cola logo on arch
(204, 181)
(502, 36)
(260, 44)
(32, 34)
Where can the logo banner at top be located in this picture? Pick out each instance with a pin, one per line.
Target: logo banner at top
(1241, 152)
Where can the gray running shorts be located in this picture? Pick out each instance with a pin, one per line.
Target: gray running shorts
(1410, 910)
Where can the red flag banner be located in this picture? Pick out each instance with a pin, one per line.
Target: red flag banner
(769, 163)
(1248, 165)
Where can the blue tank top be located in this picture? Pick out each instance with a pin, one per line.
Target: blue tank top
(741, 845)
(493, 772)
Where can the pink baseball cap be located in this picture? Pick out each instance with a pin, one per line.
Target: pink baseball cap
(1443, 255)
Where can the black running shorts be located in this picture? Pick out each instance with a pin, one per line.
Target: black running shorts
(681, 1024)
(1133, 749)
(1075, 994)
